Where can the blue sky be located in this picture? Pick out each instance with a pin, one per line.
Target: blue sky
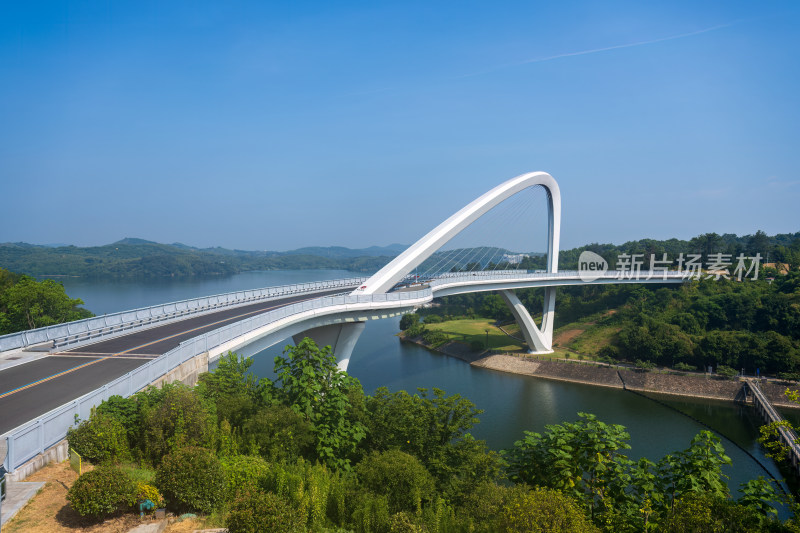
(264, 125)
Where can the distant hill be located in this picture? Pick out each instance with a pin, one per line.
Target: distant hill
(133, 257)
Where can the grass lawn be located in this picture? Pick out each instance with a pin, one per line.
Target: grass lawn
(467, 330)
(594, 338)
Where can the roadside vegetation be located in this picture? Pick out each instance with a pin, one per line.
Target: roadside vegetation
(309, 451)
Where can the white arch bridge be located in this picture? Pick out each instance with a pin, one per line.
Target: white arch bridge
(332, 313)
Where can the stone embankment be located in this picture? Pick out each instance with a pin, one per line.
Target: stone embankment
(599, 374)
(678, 384)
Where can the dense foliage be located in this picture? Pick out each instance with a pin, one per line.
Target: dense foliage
(27, 304)
(396, 461)
(101, 438)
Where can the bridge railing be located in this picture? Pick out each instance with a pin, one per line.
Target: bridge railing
(34, 437)
(451, 277)
(94, 328)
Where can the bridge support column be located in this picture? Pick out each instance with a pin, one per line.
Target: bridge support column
(341, 337)
(539, 340)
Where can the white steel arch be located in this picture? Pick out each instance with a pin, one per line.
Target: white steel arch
(402, 265)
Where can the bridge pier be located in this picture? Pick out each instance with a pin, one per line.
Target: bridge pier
(539, 340)
(340, 337)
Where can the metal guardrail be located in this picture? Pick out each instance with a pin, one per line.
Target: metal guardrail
(642, 275)
(33, 438)
(788, 435)
(97, 327)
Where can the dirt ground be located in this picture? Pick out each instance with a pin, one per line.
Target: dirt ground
(49, 511)
(566, 336)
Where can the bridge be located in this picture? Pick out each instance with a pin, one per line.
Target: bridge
(80, 364)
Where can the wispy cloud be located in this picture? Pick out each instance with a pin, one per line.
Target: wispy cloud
(598, 50)
(775, 183)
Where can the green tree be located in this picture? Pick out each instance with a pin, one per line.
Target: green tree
(436, 431)
(178, 418)
(30, 304)
(409, 320)
(582, 458)
(310, 382)
(232, 389)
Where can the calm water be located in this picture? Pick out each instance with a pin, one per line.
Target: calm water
(511, 403)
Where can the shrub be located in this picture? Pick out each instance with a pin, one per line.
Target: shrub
(100, 492)
(277, 433)
(683, 367)
(435, 337)
(609, 352)
(371, 513)
(409, 320)
(145, 491)
(545, 511)
(178, 419)
(433, 319)
(405, 522)
(192, 479)
(256, 512)
(126, 412)
(313, 490)
(644, 365)
(399, 476)
(101, 438)
(242, 471)
(727, 371)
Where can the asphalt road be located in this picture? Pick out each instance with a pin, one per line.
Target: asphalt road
(32, 389)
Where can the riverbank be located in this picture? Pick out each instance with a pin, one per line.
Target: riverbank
(603, 375)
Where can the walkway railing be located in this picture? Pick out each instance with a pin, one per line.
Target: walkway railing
(786, 434)
(94, 328)
(33, 438)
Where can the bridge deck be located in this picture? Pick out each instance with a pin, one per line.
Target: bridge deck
(27, 391)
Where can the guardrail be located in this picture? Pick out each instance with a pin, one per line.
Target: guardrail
(94, 328)
(642, 275)
(788, 435)
(27, 441)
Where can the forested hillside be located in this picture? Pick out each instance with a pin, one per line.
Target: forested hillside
(136, 258)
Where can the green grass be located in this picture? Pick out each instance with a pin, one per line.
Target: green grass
(467, 330)
(137, 473)
(594, 338)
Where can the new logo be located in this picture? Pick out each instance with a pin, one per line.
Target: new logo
(591, 266)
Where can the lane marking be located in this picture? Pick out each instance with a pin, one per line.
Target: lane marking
(210, 324)
(37, 382)
(119, 354)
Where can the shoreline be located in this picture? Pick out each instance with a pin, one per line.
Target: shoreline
(597, 375)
